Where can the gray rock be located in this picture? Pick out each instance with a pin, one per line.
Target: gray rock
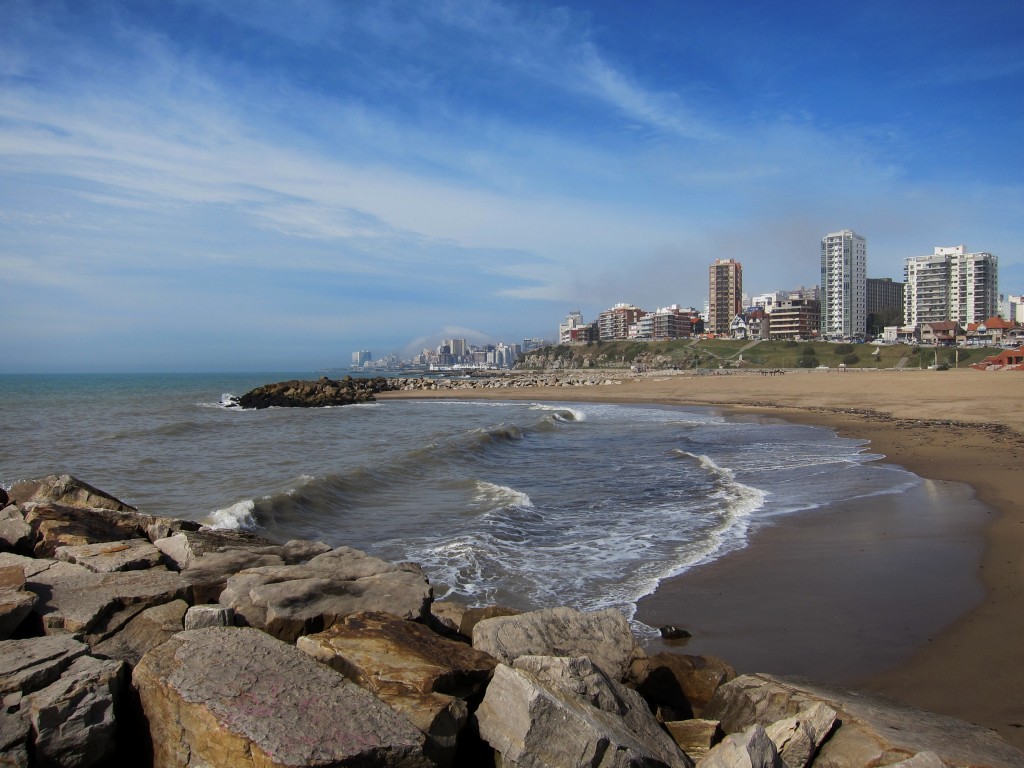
(209, 573)
(204, 616)
(73, 718)
(15, 534)
(28, 665)
(109, 557)
(15, 733)
(238, 697)
(533, 725)
(750, 749)
(294, 600)
(578, 676)
(149, 629)
(183, 547)
(920, 760)
(797, 738)
(604, 637)
(873, 730)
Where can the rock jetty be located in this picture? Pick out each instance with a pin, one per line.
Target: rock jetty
(133, 640)
(349, 390)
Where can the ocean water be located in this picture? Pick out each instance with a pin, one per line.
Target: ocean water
(524, 504)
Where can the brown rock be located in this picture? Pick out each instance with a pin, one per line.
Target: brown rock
(67, 491)
(473, 616)
(184, 547)
(873, 730)
(108, 557)
(15, 534)
(294, 600)
(424, 676)
(695, 737)
(31, 664)
(684, 683)
(149, 629)
(238, 697)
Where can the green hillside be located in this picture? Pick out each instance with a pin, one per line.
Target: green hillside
(728, 353)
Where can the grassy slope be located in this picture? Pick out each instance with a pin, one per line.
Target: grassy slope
(713, 353)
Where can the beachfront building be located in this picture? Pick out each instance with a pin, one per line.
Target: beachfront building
(951, 285)
(725, 295)
(671, 322)
(568, 331)
(795, 318)
(614, 323)
(844, 266)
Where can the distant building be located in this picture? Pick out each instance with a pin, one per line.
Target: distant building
(614, 323)
(844, 260)
(670, 322)
(725, 295)
(768, 301)
(884, 295)
(951, 285)
(361, 357)
(795, 318)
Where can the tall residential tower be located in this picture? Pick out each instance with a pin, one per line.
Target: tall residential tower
(725, 295)
(951, 285)
(844, 274)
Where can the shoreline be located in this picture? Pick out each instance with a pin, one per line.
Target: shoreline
(963, 426)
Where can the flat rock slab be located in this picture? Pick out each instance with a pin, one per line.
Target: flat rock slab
(294, 600)
(31, 664)
(109, 557)
(873, 730)
(604, 637)
(184, 547)
(147, 630)
(237, 697)
(76, 600)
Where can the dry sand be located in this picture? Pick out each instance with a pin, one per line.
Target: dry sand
(964, 426)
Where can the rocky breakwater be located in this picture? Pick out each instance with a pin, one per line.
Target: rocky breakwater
(504, 381)
(132, 640)
(314, 394)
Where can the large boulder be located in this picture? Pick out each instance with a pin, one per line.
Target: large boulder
(873, 731)
(30, 664)
(67, 491)
(683, 685)
(575, 719)
(184, 547)
(149, 629)
(76, 600)
(798, 738)
(294, 600)
(424, 676)
(72, 719)
(750, 749)
(108, 557)
(15, 534)
(56, 525)
(16, 603)
(602, 636)
(230, 697)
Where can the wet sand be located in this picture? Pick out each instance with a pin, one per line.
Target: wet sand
(928, 613)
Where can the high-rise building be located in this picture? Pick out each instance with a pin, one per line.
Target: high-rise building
(360, 357)
(951, 285)
(725, 295)
(844, 268)
(614, 323)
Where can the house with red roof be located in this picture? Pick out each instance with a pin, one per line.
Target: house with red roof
(1007, 360)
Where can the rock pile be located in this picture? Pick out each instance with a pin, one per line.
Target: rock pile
(505, 381)
(314, 394)
(132, 640)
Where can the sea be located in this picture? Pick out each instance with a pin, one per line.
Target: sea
(525, 504)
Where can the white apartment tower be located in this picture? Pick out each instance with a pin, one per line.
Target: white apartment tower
(844, 274)
(951, 285)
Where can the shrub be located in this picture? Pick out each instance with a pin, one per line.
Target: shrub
(843, 349)
(851, 359)
(805, 362)
(807, 351)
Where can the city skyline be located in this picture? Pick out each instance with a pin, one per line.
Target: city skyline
(195, 185)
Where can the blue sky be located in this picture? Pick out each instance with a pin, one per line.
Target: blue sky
(271, 185)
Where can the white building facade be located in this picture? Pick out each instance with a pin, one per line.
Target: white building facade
(844, 274)
(951, 285)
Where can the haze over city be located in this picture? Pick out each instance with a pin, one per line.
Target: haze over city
(196, 185)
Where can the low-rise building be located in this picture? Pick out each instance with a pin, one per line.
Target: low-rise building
(795, 318)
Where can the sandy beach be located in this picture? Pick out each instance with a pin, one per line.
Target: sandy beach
(958, 649)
